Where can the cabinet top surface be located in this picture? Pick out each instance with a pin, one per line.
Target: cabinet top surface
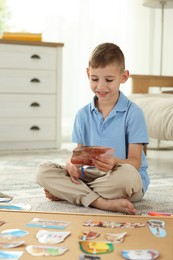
(32, 43)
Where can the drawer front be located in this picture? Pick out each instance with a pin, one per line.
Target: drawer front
(27, 105)
(27, 57)
(27, 81)
(25, 129)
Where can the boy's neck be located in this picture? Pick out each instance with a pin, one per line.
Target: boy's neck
(106, 107)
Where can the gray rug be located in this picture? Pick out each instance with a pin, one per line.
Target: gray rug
(17, 178)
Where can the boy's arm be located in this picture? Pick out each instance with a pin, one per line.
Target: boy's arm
(134, 156)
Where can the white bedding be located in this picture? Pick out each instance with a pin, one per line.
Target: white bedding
(158, 110)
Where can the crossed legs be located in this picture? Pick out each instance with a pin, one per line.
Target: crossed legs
(98, 193)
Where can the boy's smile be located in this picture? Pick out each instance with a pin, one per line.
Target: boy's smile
(101, 94)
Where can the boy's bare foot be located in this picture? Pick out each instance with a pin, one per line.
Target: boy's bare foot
(116, 205)
(50, 196)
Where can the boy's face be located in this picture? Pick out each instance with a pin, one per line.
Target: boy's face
(105, 82)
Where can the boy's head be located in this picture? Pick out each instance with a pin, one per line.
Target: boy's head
(106, 54)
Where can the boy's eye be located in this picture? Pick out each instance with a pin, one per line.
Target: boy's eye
(109, 80)
(94, 79)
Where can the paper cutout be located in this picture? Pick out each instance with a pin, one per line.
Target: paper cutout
(20, 206)
(5, 197)
(83, 155)
(11, 244)
(45, 223)
(115, 238)
(147, 254)
(90, 257)
(10, 254)
(97, 247)
(88, 235)
(13, 233)
(45, 250)
(107, 224)
(157, 228)
(48, 237)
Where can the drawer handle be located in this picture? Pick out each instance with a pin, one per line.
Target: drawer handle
(35, 56)
(34, 104)
(35, 80)
(34, 128)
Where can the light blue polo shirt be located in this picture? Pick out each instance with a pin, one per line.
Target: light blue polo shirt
(125, 124)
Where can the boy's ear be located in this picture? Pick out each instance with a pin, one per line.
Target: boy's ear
(88, 72)
(125, 76)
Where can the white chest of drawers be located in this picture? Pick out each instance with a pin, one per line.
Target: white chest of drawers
(30, 95)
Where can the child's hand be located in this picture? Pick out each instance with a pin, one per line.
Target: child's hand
(74, 173)
(104, 163)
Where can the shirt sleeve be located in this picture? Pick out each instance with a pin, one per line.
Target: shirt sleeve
(136, 126)
(77, 132)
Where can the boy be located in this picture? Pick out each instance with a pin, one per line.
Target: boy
(110, 120)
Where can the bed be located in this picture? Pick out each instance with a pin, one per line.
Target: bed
(157, 107)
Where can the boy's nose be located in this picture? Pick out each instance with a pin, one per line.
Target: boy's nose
(101, 85)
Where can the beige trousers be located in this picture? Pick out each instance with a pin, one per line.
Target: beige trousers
(123, 182)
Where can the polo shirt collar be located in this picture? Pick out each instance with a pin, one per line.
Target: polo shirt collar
(92, 104)
(122, 103)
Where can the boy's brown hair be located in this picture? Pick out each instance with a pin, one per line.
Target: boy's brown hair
(107, 53)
